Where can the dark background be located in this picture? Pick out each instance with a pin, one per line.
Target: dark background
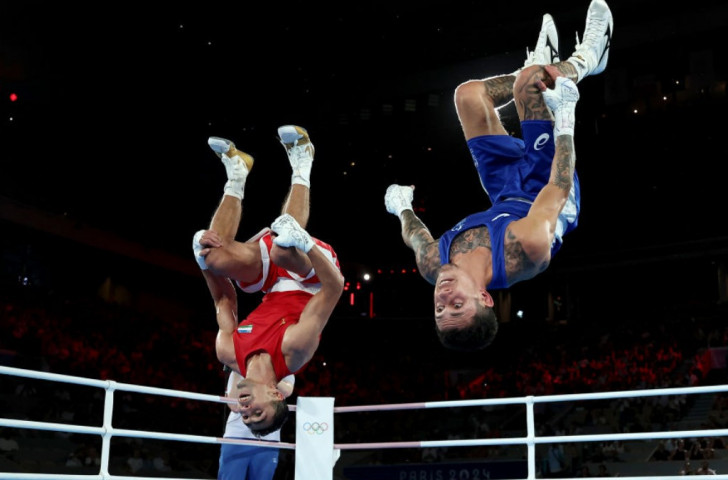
(105, 175)
(106, 147)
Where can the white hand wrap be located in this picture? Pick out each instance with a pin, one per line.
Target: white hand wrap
(196, 247)
(237, 173)
(562, 102)
(301, 159)
(290, 233)
(398, 199)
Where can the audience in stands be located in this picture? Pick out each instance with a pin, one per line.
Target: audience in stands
(84, 339)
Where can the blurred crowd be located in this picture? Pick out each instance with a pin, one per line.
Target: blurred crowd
(89, 337)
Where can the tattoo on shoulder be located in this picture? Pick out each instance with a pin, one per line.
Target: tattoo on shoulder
(517, 262)
(428, 260)
(469, 240)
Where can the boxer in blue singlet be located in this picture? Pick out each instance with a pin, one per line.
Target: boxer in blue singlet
(531, 183)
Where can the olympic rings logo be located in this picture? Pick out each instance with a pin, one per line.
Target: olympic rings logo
(315, 428)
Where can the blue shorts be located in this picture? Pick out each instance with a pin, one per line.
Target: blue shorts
(238, 462)
(514, 168)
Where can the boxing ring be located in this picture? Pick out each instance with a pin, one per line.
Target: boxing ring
(315, 451)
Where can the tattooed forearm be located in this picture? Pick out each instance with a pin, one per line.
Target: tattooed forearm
(528, 97)
(413, 230)
(562, 168)
(567, 70)
(416, 236)
(499, 89)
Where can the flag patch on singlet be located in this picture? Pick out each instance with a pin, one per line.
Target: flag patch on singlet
(245, 328)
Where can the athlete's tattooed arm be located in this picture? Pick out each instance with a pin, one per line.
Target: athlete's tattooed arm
(416, 236)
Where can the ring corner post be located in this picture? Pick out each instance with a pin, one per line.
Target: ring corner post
(108, 428)
(315, 454)
(531, 436)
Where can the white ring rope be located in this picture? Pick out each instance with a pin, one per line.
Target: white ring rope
(531, 440)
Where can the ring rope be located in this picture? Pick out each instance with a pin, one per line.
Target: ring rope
(107, 431)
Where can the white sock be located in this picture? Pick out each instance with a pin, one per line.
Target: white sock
(302, 174)
(237, 174)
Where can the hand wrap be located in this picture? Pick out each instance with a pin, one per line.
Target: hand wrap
(197, 247)
(398, 199)
(562, 103)
(290, 234)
